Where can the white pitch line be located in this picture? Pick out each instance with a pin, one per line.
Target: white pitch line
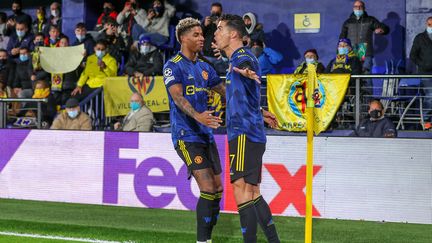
(52, 237)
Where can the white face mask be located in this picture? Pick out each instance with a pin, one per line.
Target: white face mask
(144, 49)
(54, 13)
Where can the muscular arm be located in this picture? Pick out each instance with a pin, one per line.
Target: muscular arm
(176, 92)
(220, 89)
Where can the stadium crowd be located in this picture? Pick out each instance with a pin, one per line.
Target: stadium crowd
(130, 42)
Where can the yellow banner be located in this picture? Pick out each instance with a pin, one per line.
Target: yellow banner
(287, 99)
(307, 22)
(118, 90)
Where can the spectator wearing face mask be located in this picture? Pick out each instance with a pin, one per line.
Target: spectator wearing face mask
(359, 28)
(310, 57)
(24, 75)
(72, 118)
(55, 17)
(98, 67)
(116, 46)
(131, 15)
(17, 16)
(40, 24)
(421, 55)
(254, 29)
(108, 12)
(146, 61)
(156, 24)
(346, 60)
(21, 38)
(267, 57)
(82, 37)
(52, 40)
(139, 119)
(376, 125)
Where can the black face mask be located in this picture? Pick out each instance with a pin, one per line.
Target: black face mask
(134, 5)
(248, 26)
(375, 114)
(39, 43)
(3, 62)
(17, 11)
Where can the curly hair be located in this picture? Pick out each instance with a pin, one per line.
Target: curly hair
(185, 25)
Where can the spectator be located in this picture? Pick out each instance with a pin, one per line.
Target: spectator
(254, 29)
(310, 57)
(49, 109)
(55, 17)
(54, 36)
(82, 37)
(39, 40)
(98, 67)
(146, 61)
(24, 77)
(73, 118)
(131, 15)
(116, 46)
(21, 38)
(156, 24)
(267, 57)
(17, 16)
(346, 60)
(359, 28)
(421, 55)
(376, 125)
(108, 12)
(40, 25)
(139, 119)
(63, 84)
(3, 38)
(6, 73)
(209, 27)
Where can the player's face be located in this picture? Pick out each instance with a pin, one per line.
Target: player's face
(194, 39)
(222, 35)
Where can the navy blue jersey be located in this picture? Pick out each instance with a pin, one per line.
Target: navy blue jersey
(197, 78)
(243, 99)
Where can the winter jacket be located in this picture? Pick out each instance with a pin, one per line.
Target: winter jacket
(421, 52)
(255, 31)
(378, 129)
(7, 74)
(208, 32)
(361, 30)
(43, 28)
(15, 42)
(64, 122)
(267, 59)
(150, 64)
(88, 42)
(160, 24)
(93, 76)
(345, 64)
(23, 73)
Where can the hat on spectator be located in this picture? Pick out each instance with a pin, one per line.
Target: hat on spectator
(71, 103)
(346, 40)
(144, 39)
(314, 51)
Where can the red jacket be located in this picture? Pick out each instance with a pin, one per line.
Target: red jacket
(113, 15)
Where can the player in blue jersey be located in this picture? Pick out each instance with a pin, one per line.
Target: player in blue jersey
(188, 80)
(245, 128)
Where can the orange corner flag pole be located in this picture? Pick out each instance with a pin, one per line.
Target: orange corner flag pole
(310, 85)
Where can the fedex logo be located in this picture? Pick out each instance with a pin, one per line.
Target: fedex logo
(114, 166)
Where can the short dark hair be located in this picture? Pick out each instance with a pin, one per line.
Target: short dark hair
(217, 4)
(64, 37)
(40, 34)
(362, 3)
(235, 22)
(21, 21)
(3, 50)
(54, 27)
(19, 2)
(25, 48)
(102, 42)
(258, 43)
(80, 25)
(428, 18)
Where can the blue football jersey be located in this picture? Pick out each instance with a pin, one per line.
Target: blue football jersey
(243, 99)
(197, 78)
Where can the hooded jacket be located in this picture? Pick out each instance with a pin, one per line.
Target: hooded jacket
(255, 31)
(361, 30)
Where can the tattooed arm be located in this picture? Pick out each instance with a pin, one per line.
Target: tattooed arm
(206, 118)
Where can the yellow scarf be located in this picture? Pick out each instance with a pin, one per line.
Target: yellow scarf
(41, 93)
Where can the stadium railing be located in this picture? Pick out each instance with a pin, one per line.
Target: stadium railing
(4, 108)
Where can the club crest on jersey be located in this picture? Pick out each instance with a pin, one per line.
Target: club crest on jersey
(198, 159)
(204, 75)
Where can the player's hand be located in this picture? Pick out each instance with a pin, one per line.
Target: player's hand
(248, 74)
(270, 119)
(206, 118)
